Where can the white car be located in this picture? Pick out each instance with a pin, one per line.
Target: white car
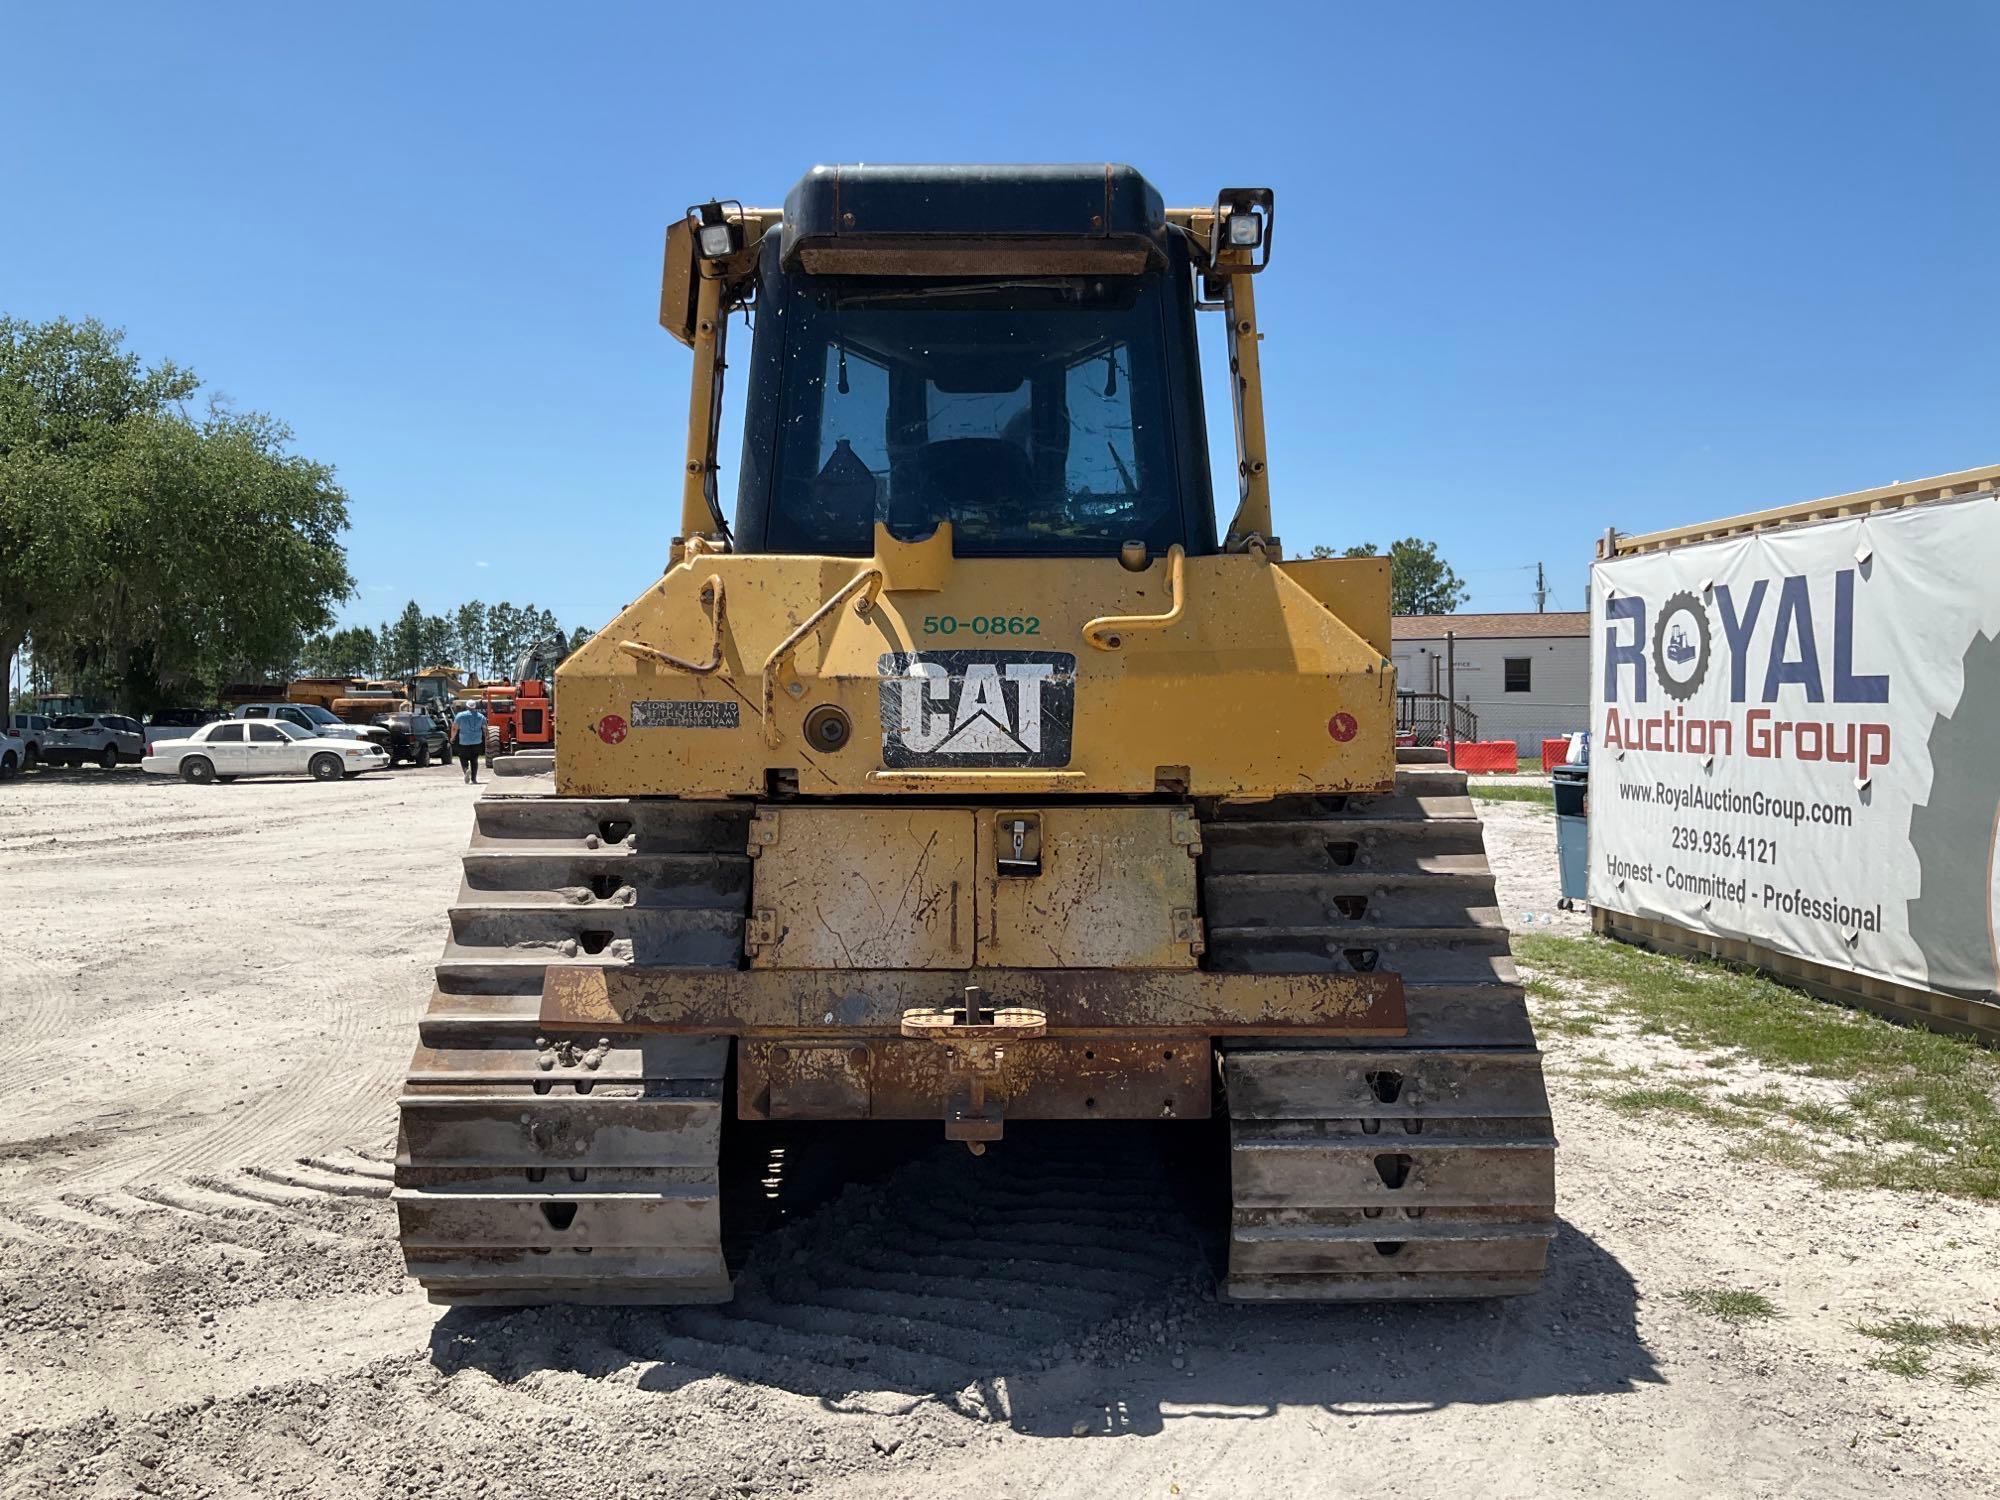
(100, 739)
(235, 747)
(13, 753)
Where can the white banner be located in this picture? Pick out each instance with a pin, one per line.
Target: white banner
(1796, 740)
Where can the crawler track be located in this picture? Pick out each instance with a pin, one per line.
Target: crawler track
(1423, 1167)
(527, 1173)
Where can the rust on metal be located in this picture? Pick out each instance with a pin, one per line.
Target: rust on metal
(976, 1042)
(1043, 1078)
(1077, 1002)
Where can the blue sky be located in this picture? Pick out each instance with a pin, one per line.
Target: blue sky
(1540, 269)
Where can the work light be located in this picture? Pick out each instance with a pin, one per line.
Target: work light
(716, 235)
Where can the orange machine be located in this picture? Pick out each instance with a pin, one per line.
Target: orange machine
(520, 713)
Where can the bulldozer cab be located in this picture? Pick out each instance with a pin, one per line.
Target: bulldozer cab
(1044, 416)
(1007, 351)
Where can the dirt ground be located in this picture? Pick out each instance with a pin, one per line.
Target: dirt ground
(206, 998)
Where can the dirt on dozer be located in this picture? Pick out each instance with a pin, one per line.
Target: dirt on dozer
(206, 998)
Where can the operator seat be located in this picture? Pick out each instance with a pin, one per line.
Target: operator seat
(957, 474)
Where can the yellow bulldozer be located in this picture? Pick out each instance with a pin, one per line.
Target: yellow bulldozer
(971, 773)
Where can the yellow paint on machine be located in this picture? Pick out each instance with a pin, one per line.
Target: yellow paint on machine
(861, 888)
(946, 888)
(1243, 694)
(1114, 889)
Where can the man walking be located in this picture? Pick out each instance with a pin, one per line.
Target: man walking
(468, 736)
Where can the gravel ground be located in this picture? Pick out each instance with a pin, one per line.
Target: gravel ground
(207, 994)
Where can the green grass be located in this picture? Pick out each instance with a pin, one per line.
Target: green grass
(1508, 792)
(1728, 1303)
(1914, 1343)
(1920, 1110)
(1911, 1364)
(1918, 1333)
(1670, 1099)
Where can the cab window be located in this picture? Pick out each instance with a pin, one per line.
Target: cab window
(1036, 416)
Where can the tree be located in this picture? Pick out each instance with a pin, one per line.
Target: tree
(1420, 582)
(437, 642)
(579, 638)
(472, 636)
(142, 547)
(405, 640)
(503, 637)
(352, 652)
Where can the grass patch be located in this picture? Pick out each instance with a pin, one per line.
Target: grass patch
(1915, 1343)
(1507, 792)
(1782, 1149)
(1926, 1102)
(1918, 1333)
(1728, 1304)
(1911, 1364)
(1669, 1099)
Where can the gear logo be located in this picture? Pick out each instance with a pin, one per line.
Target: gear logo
(1953, 918)
(1681, 644)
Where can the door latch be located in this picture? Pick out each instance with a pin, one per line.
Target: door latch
(1018, 843)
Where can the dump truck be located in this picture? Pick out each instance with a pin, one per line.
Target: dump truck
(352, 700)
(971, 772)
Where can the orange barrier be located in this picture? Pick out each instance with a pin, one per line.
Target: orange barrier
(1553, 752)
(1487, 755)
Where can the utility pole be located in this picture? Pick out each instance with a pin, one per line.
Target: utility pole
(1541, 590)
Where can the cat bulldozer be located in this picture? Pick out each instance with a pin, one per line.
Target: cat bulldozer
(970, 772)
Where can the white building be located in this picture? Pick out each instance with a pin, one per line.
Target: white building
(1522, 677)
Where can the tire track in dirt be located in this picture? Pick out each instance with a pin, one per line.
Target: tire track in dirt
(37, 1001)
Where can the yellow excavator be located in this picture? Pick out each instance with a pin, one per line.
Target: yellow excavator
(970, 773)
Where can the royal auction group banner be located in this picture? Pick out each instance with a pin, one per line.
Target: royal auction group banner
(1796, 740)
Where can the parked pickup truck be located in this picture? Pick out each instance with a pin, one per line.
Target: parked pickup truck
(315, 720)
(100, 739)
(177, 723)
